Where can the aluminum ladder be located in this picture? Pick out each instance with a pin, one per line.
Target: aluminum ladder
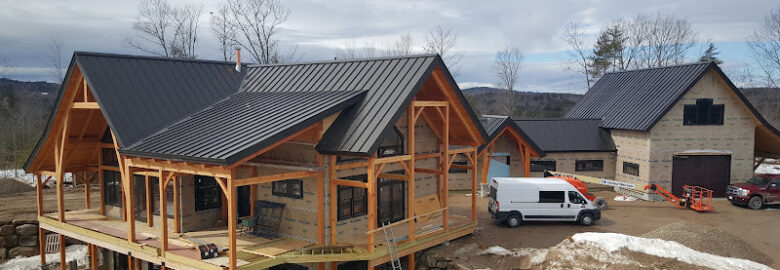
(392, 248)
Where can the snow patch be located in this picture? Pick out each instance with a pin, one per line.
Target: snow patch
(624, 198)
(72, 252)
(501, 251)
(612, 242)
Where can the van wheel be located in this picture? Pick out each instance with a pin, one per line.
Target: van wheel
(586, 219)
(513, 221)
(756, 202)
(600, 203)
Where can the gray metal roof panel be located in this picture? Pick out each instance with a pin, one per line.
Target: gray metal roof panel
(242, 124)
(568, 134)
(637, 99)
(494, 124)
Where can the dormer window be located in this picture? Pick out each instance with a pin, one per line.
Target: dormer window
(391, 144)
(703, 113)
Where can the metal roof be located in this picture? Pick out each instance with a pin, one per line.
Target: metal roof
(140, 95)
(568, 135)
(637, 99)
(241, 124)
(494, 124)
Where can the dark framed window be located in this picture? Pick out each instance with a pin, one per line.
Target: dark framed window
(459, 170)
(542, 165)
(292, 188)
(155, 182)
(109, 157)
(392, 143)
(551, 196)
(112, 188)
(208, 195)
(703, 113)
(589, 165)
(352, 202)
(630, 168)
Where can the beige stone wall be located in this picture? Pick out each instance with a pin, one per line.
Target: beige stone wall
(633, 147)
(565, 162)
(670, 136)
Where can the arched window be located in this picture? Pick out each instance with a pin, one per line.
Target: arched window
(391, 144)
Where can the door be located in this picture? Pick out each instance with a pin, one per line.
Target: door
(708, 171)
(391, 199)
(244, 204)
(576, 202)
(774, 190)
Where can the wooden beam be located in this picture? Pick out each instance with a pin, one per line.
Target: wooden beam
(84, 105)
(274, 177)
(474, 186)
(320, 203)
(410, 184)
(232, 220)
(274, 145)
(427, 156)
(163, 185)
(130, 202)
(429, 103)
(392, 159)
(284, 166)
(350, 165)
(176, 205)
(446, 169)
(62, 252)
(393, 176)
(372, 203)
(41, 233)
(87, 202)
(333, 198)
(178, 167)
(429, 171)
(102, 209)
(149, 211)
(466, 167)
(252, 192)
(349, 183)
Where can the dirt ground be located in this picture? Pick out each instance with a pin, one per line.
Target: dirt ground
(758, 227)
(24, 206)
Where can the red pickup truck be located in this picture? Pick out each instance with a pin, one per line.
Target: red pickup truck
(756, 192)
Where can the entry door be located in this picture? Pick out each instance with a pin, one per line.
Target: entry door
(709, 171)
(244, 204)
(391, 200)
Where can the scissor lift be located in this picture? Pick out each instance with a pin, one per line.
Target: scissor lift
(696, 198)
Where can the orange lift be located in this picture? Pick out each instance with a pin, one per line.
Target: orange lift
(696, 198)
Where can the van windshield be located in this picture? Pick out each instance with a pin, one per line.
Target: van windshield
(576, 198)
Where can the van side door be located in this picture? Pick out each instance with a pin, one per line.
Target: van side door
(575, 204)
(549, 207)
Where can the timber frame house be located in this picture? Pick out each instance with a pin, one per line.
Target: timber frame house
(184, 151)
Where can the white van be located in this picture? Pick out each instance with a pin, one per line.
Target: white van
(514, 200)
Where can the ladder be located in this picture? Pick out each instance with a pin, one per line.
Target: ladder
(392, 248)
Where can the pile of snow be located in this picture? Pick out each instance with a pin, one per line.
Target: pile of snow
(501, 251)
(72, 252)
(612, 242)
(768, 169)
(623, 198)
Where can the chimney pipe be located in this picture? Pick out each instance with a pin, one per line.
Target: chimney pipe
(238, 59)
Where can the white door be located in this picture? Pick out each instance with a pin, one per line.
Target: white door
(575, 202)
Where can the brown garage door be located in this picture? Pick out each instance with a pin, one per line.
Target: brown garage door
(708, 171)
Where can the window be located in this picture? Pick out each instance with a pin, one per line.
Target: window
(392, 143)
(288, 188)
(703, 113)
(551, 196)
(459, 170)
(631, 168)
(589, 165)
(109, 157)
(576, 198)
(352, 202)
(112, 188)
(208, 195)
(542, 165)
(155, 182)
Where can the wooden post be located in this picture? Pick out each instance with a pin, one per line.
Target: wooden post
(41, 233)
(320, 204)
(84, 180)
(333, 199)
(446, 169)
(100, 181)
(130, 261)
(93, 261)
(474, 185)
(526, 162)
(59, 153)
(163, 212)
(63, 263)
(252, 192)
(232, 219)
(176, 205)
(149, 211)
(410, 262)
(372, 203)
(130, 201)
(410, 197)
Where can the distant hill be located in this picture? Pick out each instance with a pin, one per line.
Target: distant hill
(487, 100)
(766, 101)
(40, 87)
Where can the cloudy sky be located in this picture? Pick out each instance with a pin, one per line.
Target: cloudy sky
(319, 27)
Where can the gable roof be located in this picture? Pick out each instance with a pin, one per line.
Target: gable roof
(568, 135)
(494, 124)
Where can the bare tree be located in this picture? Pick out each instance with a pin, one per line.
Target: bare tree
(507, 65)
(257, 24)
(166, 30)
(764, 43)
(401, 47)
(352, 49)
(574, 35)
(54, 59)
(224, 31)
(442, 41)
(667, 39)
(5, 67)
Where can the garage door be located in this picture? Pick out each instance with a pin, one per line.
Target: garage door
(709, 171)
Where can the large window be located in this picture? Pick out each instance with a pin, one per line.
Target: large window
(551, 196)
(112, 188)
(392, 143)
(288, 188)
(631, 168)
(208, 195)
(542, 165)
(352, 202)
(703, 113)
(589, 165)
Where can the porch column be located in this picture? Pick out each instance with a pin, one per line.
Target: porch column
(163, 184)
(446, 169)
(93, 261)
(410, 198)
(333, 198)
(130, 200)
(232, 205)
(526, 162)
(62, 252)
(372, 204)
(176, 205)
(474, 165)
(102, 209)
(41, 235)
(86, 181)
(149, 199)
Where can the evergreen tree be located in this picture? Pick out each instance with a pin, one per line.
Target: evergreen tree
(710, 55)
(607, 52)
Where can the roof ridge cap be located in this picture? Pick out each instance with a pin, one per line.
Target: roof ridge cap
(149, 57)
(346, 60)
(661, 67)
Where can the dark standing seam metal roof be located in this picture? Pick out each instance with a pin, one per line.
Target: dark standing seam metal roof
(568, 135)
(494, 124)
(637, 99)
(242, 124)
(142, 95)
(390, 83)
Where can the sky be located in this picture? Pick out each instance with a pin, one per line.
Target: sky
(319, 27)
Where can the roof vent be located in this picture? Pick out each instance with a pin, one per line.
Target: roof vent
(238, 59)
